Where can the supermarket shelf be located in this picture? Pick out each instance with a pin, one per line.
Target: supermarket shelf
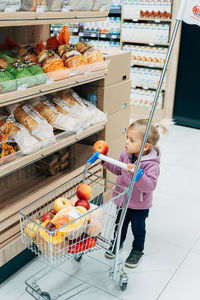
(146, 88)
(143, 112)
(145, 43)
(14, 97)
(99, 35)
(33, 18)
(148, 19)
(23, 161)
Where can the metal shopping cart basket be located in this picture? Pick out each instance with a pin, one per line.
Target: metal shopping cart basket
(85, 234)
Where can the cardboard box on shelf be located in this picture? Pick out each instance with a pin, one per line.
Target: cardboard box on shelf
(110, 99)
(116, 126)
(118, 68)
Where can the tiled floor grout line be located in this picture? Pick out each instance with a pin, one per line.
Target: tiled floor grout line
(184, 259)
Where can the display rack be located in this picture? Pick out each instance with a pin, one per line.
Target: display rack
(21, 27)
(142, 111)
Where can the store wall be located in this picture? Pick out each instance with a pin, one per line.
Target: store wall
(187, 97)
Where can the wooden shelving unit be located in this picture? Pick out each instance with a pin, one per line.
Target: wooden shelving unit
(32, 18)
(169, 91)
(30, 28)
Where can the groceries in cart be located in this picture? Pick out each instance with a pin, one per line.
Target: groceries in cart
(72, 225)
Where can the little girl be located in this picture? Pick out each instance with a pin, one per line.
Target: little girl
(141, 198)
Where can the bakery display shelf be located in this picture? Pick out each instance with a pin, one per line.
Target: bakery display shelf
(145, 43)
(34, 18)
(62, 141)
(17, 96)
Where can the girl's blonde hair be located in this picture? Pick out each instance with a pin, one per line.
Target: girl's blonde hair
(153, 137)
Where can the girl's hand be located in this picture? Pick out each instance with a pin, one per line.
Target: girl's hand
(130, 167)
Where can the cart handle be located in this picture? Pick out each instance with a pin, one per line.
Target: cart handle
(115, 162)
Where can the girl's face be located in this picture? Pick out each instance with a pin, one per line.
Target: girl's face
(133, 142)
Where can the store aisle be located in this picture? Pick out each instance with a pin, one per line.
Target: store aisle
(170, 268)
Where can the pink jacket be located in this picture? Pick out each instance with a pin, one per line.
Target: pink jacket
(142, 194)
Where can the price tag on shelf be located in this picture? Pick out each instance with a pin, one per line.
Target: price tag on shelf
(157, 20)
(22, 87)
(93, 35)
(113, 36)
(81, 34)
(40, 8)
(151, 44)
(145, 87)
(135, 20)
(103, 35)
(50, 80)
(66, 8)
(11, 8)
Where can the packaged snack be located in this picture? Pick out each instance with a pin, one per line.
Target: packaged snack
(28, 53)
(55, 5)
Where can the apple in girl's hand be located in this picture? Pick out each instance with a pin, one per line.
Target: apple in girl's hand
(83, 202)
(48, 216)
(84, 191)
(101, 147)
(60, 203)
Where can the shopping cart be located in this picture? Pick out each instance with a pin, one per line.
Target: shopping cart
(85, 234)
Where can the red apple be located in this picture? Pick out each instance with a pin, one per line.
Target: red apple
(83, 202)
(101, 147)
(84, 191)
(60, 203)
(48, 216)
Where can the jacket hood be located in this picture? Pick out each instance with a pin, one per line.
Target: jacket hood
(153, 155)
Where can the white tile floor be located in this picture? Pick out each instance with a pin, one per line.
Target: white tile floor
(170, 268)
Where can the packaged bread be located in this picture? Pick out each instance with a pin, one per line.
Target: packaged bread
(48, 111)
(25, 141)
(82, 4)
(31, 5)
(101, 4)
(69, 102)
(55, 5)
(33, 121)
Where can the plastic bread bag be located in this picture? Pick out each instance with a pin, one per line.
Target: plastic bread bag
(70, 102)
(3, 4)
(67, 215)
(48, 111)
(25, 141)
(82, 4)
(54, 5)
(15, 3)
(36, 124)
(101, 4)
(31, 5)
(96, 115)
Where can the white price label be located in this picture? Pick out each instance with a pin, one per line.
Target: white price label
(22, 87)
(157, 20)
(50, 80)
(40, 8)
(113, 36)
(11, 8)
(151, 44)
(81, 34)
(93, 35)
(66, 8)
(145, 87)
(103, 36)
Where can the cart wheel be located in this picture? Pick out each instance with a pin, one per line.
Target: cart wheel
(78, 257)
(45, 295)
(123, 285)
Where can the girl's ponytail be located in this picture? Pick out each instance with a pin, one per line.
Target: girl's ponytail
(164, 125)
